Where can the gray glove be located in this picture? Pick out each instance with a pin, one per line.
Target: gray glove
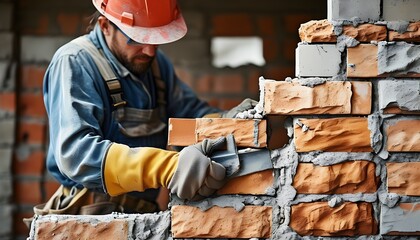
(197, 175)
(246, 104)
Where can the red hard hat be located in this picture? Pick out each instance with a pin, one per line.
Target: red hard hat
(145, 21)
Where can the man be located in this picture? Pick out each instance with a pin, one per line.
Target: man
(110, 136)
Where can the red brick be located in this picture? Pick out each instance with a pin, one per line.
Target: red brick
(50, 187)
(228, 83)
(333, 135)
(73, 229)
(347, 177)
(69, 23)
(32, 76)
(319, 219)
(267, 25)
(204, 84)
(239, 24)
(30, 165)
(185, 76)
(217, 222)
(19, 227)
(278, 72)
(8, 101)
(253, 82)
(404, 136)
(27, 192)
(292, 21)
(39, 25)
(270, 49)
(227, 103)
(256, 184)
(289, 50)
(31, 133)
(32, 105)
(403, 178)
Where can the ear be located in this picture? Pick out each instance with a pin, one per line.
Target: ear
(104, 25)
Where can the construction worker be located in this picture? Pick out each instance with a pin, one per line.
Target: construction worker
(109, 95)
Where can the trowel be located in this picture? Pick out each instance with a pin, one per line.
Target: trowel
(242, 162)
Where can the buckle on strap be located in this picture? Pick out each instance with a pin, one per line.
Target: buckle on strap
(114, 87)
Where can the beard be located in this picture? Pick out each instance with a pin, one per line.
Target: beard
(130, 63)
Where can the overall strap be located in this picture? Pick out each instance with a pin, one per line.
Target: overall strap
(161, 88)
(112, 82)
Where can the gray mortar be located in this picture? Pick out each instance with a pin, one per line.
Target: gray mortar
(344, 42)
(399, 26)
(404, 94)
(398, 58)
(374, 125)
(330, 158)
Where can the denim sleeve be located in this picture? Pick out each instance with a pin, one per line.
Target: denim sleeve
(182, 101)
(75, 110)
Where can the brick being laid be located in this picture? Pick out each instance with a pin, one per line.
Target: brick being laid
(218, 222)
(342, 178)
(258, 183)
(319, 219)
(403, 135)
(330, 97)
(247, 132)
(332, 135)
(402, 219)
(403, 178)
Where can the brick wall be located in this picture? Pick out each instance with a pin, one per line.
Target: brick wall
(30, 32)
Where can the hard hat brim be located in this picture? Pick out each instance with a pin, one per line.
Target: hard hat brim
(171, 32)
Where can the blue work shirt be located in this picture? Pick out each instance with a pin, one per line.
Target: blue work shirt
(79, 108)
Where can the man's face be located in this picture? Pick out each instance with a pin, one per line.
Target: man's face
(137, 58)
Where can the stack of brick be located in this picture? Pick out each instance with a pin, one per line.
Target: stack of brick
(7, 114)
(350, 165)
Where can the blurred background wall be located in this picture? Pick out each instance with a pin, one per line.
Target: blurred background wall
(31, 31)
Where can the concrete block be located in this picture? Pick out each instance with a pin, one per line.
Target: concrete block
(319, 219)
(40, 49)
(6, 13)
(402, 219)
(330, 97)
(184, 132)
(332, 135)
(7, 129)
(399, 96)
(6, 226)
(319, 60)
(152, 226)
(349, 9)
(347, 177)
(401, 10)
(6, 160)
(6, 45)
(259, 183)
(403, 178)
(403, 135)
(218, 222)
(412, 34)
(399, 59)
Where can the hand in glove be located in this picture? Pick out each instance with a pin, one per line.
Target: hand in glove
(197, 175)
(246, 104)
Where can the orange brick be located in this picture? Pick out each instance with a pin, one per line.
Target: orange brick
(404, 136)
(271, 48)
(319, 219)
(204, 84)
(256, 183)
(362, 61)
(217, 222)
(403, 178)
(8, 101)
(31, 133)
(242, 130)
(333, 97)
(32, 105)
(317, 32)
(347, 177)
(228, 83)
(411, 35)
(333, 135)
(266, 25)
(69, 23)
(32, 164)
(73, 229)
(32, 76)
(27, 192)
(239, 24)
(366, 32)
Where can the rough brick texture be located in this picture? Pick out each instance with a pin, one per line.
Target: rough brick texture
(217, 222)
(404, 178)
(331, 97)
(319, 219)
(332, 135)
(258, 183)
(411, 35)
(347, 177)
(404, 136)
